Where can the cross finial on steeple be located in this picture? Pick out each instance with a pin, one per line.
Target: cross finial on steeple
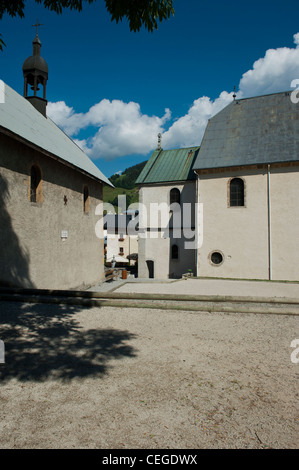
(159, 141)
(37, 25)
(35, 72)
(234, 95)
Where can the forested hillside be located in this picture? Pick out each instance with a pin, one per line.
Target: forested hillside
(124, 184)
(128, 177)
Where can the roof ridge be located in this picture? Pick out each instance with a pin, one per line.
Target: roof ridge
(262, 96)
(181, 148)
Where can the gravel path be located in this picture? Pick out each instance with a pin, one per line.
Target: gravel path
(112, 378)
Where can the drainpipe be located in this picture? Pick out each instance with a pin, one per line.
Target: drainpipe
(197, 220)
(269, 225)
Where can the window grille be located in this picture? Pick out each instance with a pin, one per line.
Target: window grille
(175, 196)
(236, 192)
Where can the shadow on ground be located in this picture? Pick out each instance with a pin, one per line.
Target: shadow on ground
(44, 341)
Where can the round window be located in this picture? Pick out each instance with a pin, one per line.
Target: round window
(216, 258)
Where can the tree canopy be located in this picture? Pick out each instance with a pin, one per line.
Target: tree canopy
(139, 13)
(128, 177)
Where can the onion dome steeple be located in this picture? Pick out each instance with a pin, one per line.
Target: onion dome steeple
(35, 72)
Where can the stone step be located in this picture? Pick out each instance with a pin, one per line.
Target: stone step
(226, 304)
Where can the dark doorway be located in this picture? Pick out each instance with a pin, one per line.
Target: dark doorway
(150, 267)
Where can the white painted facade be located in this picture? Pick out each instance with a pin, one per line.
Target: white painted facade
(258, 240)
(254, 144)
(157, 234)
(120, 245)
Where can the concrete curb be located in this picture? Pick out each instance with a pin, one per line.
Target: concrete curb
(205, 303)
(140, 296)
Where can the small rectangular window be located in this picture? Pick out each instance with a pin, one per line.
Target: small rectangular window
(35, 184)
(86, 200)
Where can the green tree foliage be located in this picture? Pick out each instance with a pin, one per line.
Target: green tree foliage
(139, 13)
(128, 177)
(124, 184)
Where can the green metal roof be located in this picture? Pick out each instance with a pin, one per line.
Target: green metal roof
(169, 165)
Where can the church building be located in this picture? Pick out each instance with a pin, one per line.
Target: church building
(248, 185)
(49, 191)
(167, 188)
(244, 181)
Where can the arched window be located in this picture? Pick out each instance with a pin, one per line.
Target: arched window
(174, 252)
(236, 196)
(175, 196)
(86, 200)
(35, 184)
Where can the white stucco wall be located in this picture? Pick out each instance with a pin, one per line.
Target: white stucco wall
(157, 239)
(128, 243)
(284, 183)
(241, 233)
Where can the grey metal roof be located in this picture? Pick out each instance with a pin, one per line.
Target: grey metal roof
(169, 165)
(18, 116)
(259, 130)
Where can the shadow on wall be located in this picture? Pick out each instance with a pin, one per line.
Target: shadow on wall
(182, 246)
(14, 261)
(46, 342)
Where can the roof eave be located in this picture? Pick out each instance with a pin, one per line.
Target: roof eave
(24, 141)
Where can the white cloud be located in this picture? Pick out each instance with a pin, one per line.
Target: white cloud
(120, 129)
(65, 117)
(123, 129)
(272, 73)
(188, 130)
(83, 145)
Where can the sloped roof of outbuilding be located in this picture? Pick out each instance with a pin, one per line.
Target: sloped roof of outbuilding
(21, 119)
(250, 131)
(169, 165)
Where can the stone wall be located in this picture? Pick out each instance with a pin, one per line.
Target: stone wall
(50, 243)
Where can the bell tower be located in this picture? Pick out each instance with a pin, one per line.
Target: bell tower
(35, 72)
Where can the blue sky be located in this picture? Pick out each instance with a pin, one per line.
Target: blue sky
(113, 90)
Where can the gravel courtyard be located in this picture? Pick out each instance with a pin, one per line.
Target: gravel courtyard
(78, 377)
